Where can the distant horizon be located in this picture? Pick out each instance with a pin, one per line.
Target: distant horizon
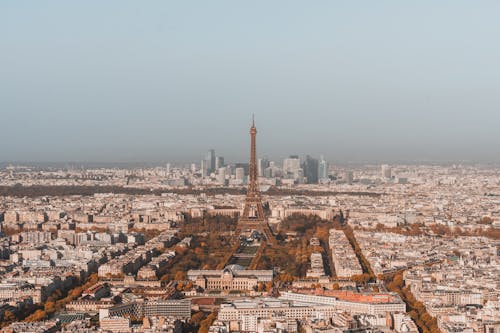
(127, 165)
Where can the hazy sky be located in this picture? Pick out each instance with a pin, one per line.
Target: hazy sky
(167, 80)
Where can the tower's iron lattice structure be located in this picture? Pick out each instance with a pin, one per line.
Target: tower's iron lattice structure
(253, 217)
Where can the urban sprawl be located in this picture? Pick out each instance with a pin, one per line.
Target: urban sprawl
(183, 248)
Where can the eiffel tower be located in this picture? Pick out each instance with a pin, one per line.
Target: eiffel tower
(253, 217)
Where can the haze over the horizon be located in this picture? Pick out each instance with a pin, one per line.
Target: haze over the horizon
(110, 81)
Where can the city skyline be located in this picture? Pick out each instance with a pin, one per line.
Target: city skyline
(213, 159)
(264, 166)
(373, 82)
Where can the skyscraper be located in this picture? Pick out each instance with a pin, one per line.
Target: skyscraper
(386, 171)
(291, 167)
(219, 162)
(348, 177)
(262, 164)
(221, 176)
(239, 174)
(311, 170)
(204, 168)
(322, 169)
(210, 158)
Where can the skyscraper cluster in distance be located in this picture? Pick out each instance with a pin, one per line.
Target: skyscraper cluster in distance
(210, 163)
(293, 169)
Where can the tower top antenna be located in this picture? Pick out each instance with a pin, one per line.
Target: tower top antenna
(253, 120)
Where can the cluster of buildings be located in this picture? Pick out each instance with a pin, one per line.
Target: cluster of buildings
(463, 291)
(293, 170)
(31, 272)
(130, 262)
(211, 170)
(129, 240)
(455, 277)
(456, 197)
(317, 266)
(304, 310)
(389, 252)
(344, 259)
(460, 198)
(51, 243)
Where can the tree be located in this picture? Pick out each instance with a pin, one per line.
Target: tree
(50, 307)
(418, 313)
(419, 306)
(92, 279)
(361, 278)
(38, 315)
(180, 275)
(207, 322)
(9, 317)
(196, 318)
(285, 277)
(75, 293)
(323, 233)
(427, 319)
(397, 282)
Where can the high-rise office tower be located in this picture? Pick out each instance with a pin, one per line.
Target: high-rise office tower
(244, 166)
(204, 168)
(291, 167)
(210, 158)
(386, 171)
(239, 173)
(221, 175)
(262, 164)
(219, 162)
(348, 177)
(322, 169)
(311, 170)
